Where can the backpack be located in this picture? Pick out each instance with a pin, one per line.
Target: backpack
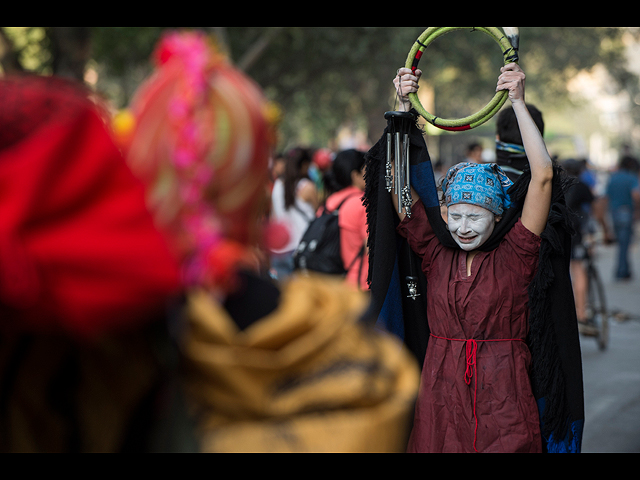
(320, 251)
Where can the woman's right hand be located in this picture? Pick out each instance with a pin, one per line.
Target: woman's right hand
(406, 82)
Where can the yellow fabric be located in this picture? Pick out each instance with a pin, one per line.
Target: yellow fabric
(308, 378)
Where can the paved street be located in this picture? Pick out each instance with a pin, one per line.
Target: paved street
(612, 378)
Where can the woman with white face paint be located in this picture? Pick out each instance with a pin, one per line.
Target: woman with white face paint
(476, 395)
(470, 226)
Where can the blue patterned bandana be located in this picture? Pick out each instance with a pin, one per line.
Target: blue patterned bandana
(485, 186)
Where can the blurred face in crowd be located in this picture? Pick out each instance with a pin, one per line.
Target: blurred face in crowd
(357, 178)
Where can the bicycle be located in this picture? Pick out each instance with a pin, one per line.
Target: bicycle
(598, 326)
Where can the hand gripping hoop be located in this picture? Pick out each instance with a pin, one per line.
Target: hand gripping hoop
(510, 53)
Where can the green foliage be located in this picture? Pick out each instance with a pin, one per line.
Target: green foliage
(326, 76)
(120, 48)
(31, 47)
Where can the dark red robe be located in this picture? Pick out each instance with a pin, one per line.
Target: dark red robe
(476, 393)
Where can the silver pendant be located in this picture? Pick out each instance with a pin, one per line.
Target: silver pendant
(412, 284)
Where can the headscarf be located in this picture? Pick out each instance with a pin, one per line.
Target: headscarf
(79, 252)
(485, 186)
(201, 140)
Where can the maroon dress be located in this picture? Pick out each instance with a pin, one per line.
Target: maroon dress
(476, 394)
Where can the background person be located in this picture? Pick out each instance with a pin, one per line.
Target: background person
(347, 181)
(623, 194)
(294, 204)
(580, 199)
(510, 151)
(474, 153)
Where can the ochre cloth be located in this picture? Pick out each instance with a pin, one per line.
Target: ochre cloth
(308, 378)
(459, 384)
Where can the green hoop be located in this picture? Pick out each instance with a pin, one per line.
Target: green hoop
(510, 55)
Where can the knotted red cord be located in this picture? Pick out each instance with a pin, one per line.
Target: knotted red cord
(472, 371)
(472, 359)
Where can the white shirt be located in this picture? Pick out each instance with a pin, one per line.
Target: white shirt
(296, 219)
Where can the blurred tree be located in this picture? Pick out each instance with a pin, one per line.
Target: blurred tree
(25, 49)
(63, 51)
(8, 59)
(326, 76)
(70, 51)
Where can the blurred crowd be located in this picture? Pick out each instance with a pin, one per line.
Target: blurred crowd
(308, 183)
(149, 295)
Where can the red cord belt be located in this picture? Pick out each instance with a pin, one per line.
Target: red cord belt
(472, 370)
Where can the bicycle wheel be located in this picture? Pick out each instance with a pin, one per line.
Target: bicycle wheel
(598, 308)
(509, 53)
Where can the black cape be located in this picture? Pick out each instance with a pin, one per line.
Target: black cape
(554, 339)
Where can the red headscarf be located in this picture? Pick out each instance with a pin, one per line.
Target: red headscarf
(79, 252)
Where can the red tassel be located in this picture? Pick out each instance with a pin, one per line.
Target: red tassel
(224, 261)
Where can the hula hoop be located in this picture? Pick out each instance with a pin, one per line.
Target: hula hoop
(510, 55)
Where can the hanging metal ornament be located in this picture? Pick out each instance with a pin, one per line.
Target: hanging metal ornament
(509, 41)
(412, 285)
(399, 162)
(399, 158)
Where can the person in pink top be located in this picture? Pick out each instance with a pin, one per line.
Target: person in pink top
(346, 180)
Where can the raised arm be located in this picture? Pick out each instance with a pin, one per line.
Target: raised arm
(538, 201)
(406, 82)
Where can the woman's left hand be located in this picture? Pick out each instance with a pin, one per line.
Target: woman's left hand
(513, 79)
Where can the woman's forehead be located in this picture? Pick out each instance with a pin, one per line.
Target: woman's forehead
(468, 210)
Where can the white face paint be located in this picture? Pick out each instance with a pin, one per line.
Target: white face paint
(471, 226)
